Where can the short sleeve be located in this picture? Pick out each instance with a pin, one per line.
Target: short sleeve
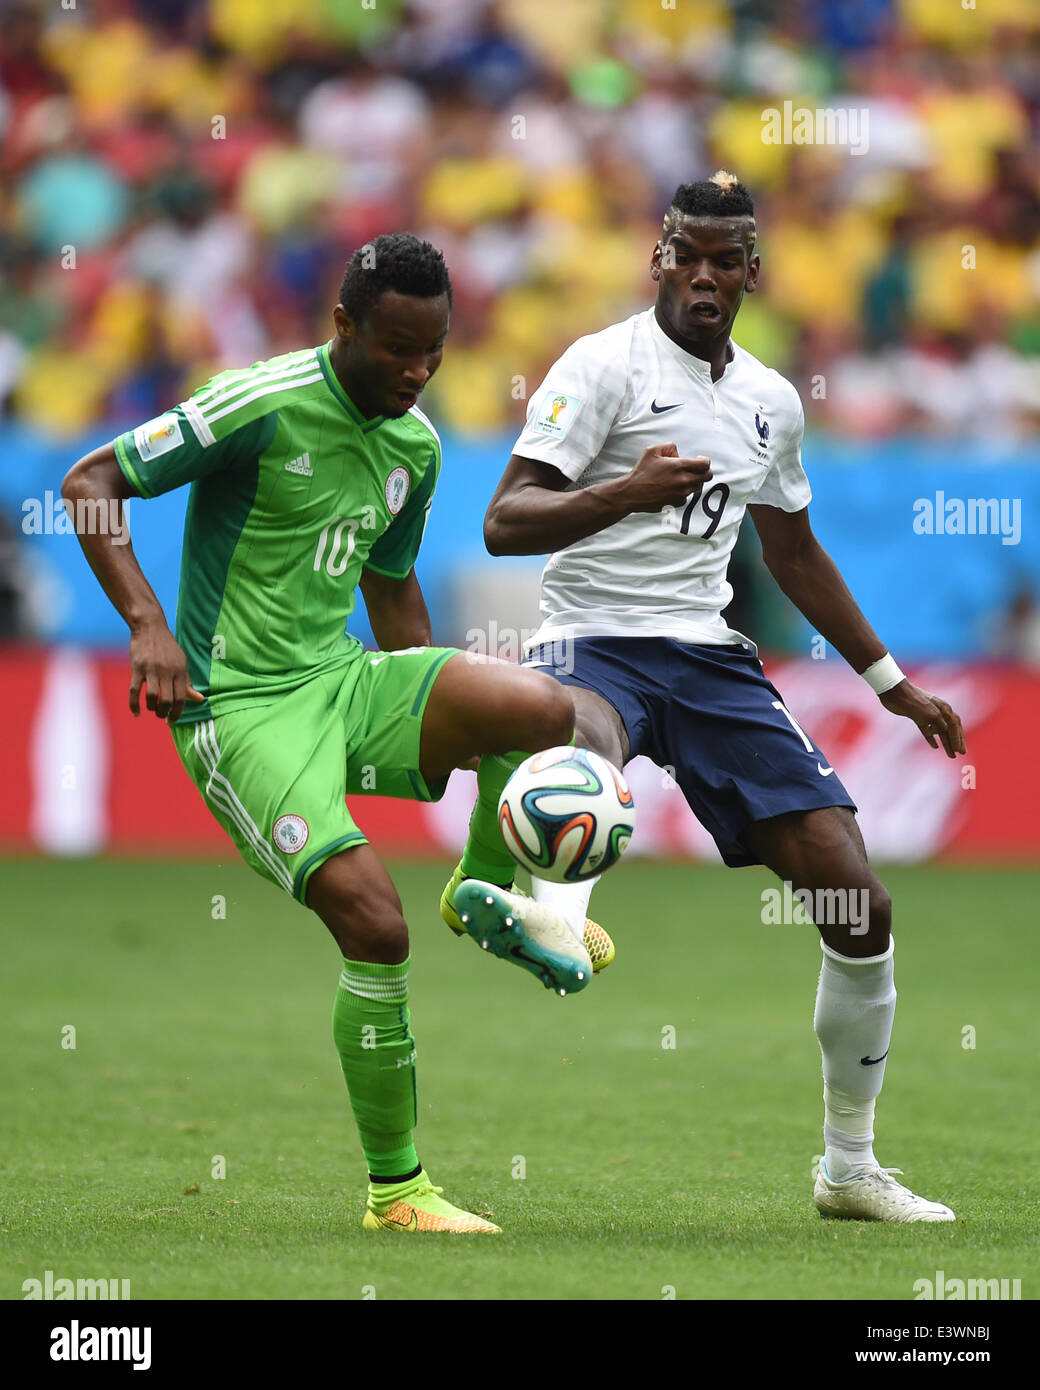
(785, 485)
(178, 448)
(571, 413)
(394, 553)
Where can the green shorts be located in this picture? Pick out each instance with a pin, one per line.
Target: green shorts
(276, 776)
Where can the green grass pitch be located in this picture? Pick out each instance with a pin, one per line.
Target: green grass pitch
(619, 1168)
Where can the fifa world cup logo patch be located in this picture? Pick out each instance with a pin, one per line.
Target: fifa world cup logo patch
(158, 436)
(556, 414)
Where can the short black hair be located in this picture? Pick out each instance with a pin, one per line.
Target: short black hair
(393, 261)
(723, 195)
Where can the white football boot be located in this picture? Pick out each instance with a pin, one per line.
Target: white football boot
(531, 935)
(873, 1195)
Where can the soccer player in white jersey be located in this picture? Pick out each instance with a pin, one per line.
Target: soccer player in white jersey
(642, 449)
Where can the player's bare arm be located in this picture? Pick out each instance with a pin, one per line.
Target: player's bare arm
(530, 514)
(396, 610)
(813, 583)
(156, 660)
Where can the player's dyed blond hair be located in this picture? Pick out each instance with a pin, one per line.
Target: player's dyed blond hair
(723, 195)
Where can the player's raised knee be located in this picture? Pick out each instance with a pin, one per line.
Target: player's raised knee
(549, 713)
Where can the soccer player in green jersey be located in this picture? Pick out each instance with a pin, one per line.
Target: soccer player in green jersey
(312, 474)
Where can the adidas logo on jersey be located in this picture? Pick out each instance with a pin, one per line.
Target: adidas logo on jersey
(302, 465)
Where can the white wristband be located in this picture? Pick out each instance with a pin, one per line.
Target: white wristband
(883, 674)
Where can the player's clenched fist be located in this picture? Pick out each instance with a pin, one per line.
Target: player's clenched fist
(662, 479)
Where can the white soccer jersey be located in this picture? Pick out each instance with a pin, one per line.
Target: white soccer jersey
(612, 395)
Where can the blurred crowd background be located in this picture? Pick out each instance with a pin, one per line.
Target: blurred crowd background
(184, 180)
(207, 166)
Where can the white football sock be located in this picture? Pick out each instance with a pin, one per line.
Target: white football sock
(571, 900)
(855, 1008)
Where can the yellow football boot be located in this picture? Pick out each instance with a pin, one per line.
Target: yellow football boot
(416, 1205)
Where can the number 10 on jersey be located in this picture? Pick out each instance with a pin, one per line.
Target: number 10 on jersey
(336, 564)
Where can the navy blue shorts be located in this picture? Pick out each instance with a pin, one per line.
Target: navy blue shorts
(710, 717)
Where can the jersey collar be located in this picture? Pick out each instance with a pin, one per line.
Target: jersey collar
(687, 359)
(325, 362)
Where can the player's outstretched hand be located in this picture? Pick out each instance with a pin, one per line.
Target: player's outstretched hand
(934, 717)
(662, 479)
(159, 664)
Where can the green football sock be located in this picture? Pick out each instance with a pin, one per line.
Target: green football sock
(485, 855)
(370, 1025)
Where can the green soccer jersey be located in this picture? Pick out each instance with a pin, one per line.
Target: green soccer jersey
(293, 494)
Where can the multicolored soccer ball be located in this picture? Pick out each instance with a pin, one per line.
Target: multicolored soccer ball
(566, 814)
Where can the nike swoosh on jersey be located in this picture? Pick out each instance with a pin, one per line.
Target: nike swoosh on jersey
(824, 771)
(660, 409)
(377, 659)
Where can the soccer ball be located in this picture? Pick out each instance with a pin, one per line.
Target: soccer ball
(566, 814)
